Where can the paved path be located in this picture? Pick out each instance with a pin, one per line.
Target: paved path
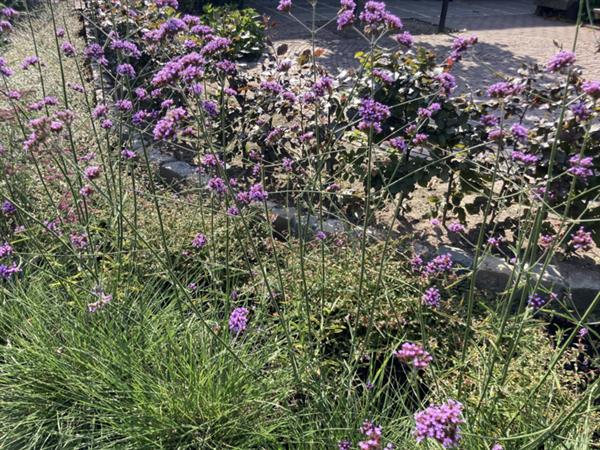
(510, 34)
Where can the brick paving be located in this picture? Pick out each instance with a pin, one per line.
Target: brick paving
(509, 32)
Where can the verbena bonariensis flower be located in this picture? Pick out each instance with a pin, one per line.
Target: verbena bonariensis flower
(375, 16)
(413, 354)
(323, 86)
(4, 69)
(103, 300)
(128, 48)
(432, 297)
(447, 82)
(497, 447)
(406, 39)
(536, 301)
(79, 240)
(238, 320)
(257, 193)
(562, 59)
(399, 143)
(6, 271)
(591, 88)
(581, 240)
(8, 209)
(126, 70)
(383, 75)
(68, 49)
(581, 166)
(128, 154)
(545, 241)
(461, 45)
(439, 265)
(489, 120)
(440, 422)
(164, 3)
(284, 5)
(30, 61)
(372, 113)
(519, 131)
(91, 172)
(216, 185)
(503, 89)
(199, 241)
(5, 250)
(456, 227)
(526, 158)
(373, 434)
(344, 445)
(580, 111)
(346, 13)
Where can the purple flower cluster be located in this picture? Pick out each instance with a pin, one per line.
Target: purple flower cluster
(503, 89)
(439, 265)
(375, 16)
(372, 439)
(591, 88)
(536, 301)
(562, 59)
(581, 240)
(166, 127)
(525, 158)
(128, 48)
(406, 39)
(432, 297)
(346, 14)
(372, 113)
(519, 132)
(79, 241)
(103, 300)
(580, 110)
(461, 45)
(440, 422)
(238, 320)
(581, 167)
(447, 82)
(199, 241)
(413, 354)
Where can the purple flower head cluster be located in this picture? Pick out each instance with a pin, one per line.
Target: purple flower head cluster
(440, 422)
(323, 86)
(4, 69)
(581, 167)
(413, 354)
(5, 250)
(210, 107)
(166, 127)
(199, 241)
(562, 59)
(519, 132)
(447, 82)
(536, 301)
(398, 143)
(591, 88)
(372, 113)
(489, 120)
(346, 14)
(91, 172)
(128, 48)
(372, 435)
(238, 320)
(344, 445)
(545, 241)
(503, 89)
(525, 158)
(271, 86)
(439, 265)
(257, 193)
(456, 227)
(217, 185)
(8, 209)
(375, 16)
(406, 39)
(581, 240)
(7, 271)
(384, 76)
(79, 241)
(30, 61)
(68, 49)
(284, 6)
(164, 3)
(216, 45)
(187, 67)
(461, 45)
(432, 297)
(126, 70)
(103, 300)
(580, 111)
